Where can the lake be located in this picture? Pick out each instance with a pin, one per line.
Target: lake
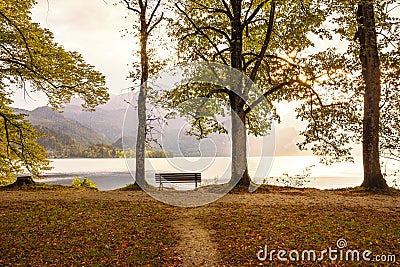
(111, 174)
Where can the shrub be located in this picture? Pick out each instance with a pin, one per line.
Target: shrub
(85, 183)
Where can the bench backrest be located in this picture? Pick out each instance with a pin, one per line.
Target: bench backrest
(179, 177)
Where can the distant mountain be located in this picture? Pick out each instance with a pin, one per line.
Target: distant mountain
(75, 129)
(107, 122)
(114, 103)
(108, 119)
(45, 116)
(126, 143)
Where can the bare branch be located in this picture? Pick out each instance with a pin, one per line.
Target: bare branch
(128, 6)
(155, 24)
(153, 13)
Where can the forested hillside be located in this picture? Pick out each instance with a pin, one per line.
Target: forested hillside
(45, 116)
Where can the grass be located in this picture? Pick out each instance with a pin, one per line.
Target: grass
(131, 187)
(136, 187)
(139, 233)
(37, 186)
(78, 233)
(246, 229)
(390, 191)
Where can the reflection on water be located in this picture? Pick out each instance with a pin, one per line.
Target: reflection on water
(115, 173)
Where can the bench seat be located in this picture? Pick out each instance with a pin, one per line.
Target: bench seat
(178, 177)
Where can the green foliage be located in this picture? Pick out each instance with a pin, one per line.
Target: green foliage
(334, 111)
(159, 154)
(204, 31)
(84, 183)
(102, 151)
(29, 54)
(52, 119)
(19, 150)
(31, 60)
(58, 144)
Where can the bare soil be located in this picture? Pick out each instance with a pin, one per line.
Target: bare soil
(311, 197)
(195, 246)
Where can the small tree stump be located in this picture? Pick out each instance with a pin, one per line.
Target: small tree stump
(23, 180)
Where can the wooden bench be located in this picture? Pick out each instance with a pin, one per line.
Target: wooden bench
(179, 177)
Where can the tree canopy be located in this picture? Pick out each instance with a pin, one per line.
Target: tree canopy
(273, 43)
(30, 59)
(263, 40)
(335, 114)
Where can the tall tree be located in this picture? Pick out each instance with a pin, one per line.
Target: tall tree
(31, 60)
(349, 108)
(148, 19)
(371, 72)
(260, 39)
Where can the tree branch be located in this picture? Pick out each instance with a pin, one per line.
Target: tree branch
(128, 6)
(154, 12)
(14, 61)
(255, 12)
(218, 31)
(248, 10)
(21, 34)
(155, 24)
(212, 10)
(267, 93)
(266, 42)
(201, 32)
(229, 13)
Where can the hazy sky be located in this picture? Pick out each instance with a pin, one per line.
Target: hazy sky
(92, 28)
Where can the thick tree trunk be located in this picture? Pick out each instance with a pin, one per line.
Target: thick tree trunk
(141, 134)
(239, 142)
(369, 57)
(239, 136)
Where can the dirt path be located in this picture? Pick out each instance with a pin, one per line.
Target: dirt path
(195, 246)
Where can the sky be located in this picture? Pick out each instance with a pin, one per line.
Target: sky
(94, 29)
